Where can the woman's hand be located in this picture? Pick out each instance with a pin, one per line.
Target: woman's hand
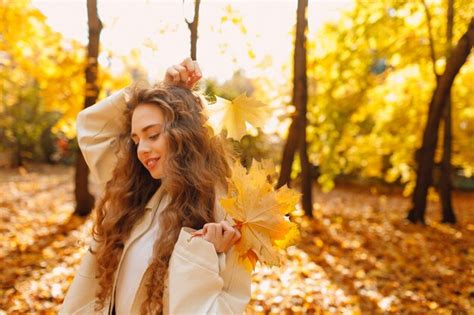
(186, 74)
(222, 235)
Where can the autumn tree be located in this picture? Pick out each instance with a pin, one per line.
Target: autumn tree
(445, 183)
(297, 132)
(373, 86)
(425, 155)
(32, 125)
(34, 101)
(84, 199)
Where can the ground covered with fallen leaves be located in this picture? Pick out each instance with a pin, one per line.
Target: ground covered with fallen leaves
(357, 256)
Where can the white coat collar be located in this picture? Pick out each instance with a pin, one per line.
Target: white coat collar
(154, 199)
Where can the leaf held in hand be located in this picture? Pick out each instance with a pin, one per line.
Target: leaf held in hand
(259, 212)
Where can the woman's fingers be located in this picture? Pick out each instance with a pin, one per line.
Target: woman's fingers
(193, 72)
(187, 73)
(195, 76)
(231, 234)
(205, 229)
(223, 235)
(172, 76)
(177, 74)
(237, 236)
(183, 73)
(197, 70)
(189, 64)
(217, 230)
(211, 233)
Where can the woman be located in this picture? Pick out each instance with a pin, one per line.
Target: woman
(163, 172)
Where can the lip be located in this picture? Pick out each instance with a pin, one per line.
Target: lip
(151, 163)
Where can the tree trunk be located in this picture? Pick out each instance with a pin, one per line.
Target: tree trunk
(293, 138)
(306, 188)
(17, 156)
(297, 131)
(289, 151)
(84, 199)
(445, 184)
(430, 135)
(193, 28)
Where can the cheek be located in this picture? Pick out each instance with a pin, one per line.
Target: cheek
(161, 145)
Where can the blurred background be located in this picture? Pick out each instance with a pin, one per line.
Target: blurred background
(372, 119)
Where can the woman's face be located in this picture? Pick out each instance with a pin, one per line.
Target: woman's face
(148, 135)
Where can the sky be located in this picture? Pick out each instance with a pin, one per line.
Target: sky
(157, 30)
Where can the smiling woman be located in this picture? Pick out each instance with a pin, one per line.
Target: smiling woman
(151, 147)
(162, 183)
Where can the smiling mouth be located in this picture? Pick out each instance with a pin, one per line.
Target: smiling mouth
(151, 163)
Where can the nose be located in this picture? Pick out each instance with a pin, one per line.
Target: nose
(143, 147)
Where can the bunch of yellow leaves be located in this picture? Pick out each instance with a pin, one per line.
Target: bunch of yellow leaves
(234, 115)
(259, 212)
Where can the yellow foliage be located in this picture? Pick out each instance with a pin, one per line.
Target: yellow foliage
(33, 53)
(259, 212)
(234, 115)
(370, 82)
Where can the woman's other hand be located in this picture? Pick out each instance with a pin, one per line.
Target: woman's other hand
(186, 74)
(223, 235)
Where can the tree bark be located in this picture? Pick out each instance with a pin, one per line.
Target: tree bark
(430, 136)
(193, 28)
(306, 188)
(84, 199)
(289, 151)
(293, 138)
(297, 131)
(445, 184)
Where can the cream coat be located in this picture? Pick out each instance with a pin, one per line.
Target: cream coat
(200, 281)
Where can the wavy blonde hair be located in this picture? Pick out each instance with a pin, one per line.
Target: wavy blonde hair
(197, 162)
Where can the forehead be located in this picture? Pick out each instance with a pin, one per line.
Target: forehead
(145, 115)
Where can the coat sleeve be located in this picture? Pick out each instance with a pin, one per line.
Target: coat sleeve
(81, 295)
(98, 128)
(204, 282)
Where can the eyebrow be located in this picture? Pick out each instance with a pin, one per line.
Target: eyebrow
(144, 129)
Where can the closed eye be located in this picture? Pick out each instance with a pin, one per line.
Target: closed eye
(152, 137)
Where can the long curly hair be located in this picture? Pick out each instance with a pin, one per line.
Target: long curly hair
(198, 161)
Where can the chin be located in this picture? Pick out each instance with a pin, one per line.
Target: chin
(156, 175)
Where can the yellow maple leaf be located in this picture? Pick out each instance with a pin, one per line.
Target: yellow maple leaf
(234, 115)
(259, 212)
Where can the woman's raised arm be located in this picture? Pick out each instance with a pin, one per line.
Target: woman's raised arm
(98, 126)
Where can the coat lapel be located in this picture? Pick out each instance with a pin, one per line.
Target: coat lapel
(144, 224)
(154, 206)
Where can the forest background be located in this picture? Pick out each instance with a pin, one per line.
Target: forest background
(372, 118)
